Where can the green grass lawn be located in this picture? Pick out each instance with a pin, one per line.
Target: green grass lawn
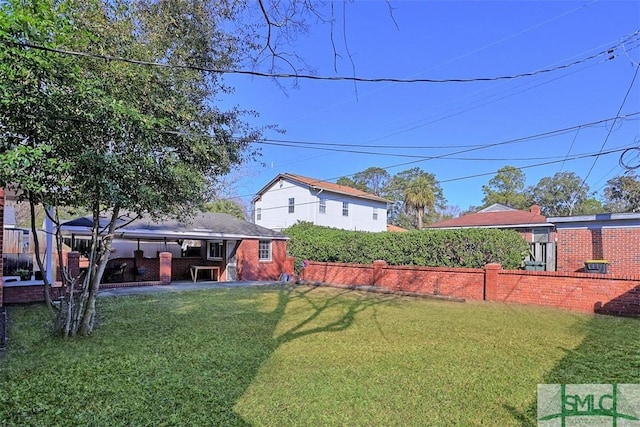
(282, 356)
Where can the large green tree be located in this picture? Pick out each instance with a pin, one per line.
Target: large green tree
(622, 194)
(373, 180)
(506, 188)
(420, 197)
(563, 194)
(405, 215)
(230, 207)
(114, 137)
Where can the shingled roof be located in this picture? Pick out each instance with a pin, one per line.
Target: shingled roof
(204, 225)
(321, 185)
(497, 216)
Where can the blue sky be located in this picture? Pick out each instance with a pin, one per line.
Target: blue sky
(456, 40)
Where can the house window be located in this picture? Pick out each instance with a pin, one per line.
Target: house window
(345, 208)
(258, 214)
(264, 250)
(292, 204)
(214, 249)
(322, 208)
(375, 214)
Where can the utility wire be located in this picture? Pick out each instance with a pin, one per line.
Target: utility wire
(417, 156)
(564, 159)
(606, 139)
(310, 76)
(537, 136)
(303, 144)
(540, 135)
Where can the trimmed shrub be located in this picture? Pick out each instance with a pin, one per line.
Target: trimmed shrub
(471, 248)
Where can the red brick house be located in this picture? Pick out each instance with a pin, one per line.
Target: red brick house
(241, 250)
(222, 248)
(533, 226)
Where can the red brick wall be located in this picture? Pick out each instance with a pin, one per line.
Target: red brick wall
(619, 246)
(462, 282)
(602, 293)
(28, 293)
(251, 268)
(338, 274)
(180, 267)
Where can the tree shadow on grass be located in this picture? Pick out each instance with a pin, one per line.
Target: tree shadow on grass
(259, 338)
(358, 303)
(608, 354)
(163, 360)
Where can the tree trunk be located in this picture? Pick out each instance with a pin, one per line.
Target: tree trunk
(97, 263)
(89, 314)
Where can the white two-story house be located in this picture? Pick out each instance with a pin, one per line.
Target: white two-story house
(290, 198)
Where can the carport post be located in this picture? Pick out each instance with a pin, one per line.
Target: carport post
(165, 267)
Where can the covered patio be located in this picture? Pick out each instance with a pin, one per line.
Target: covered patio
(208, 247)
(212, 246)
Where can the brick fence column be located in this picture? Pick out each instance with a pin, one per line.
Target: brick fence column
(491, 281)
(165, 267)
(73, 264)
(289, 265)
(378, 265)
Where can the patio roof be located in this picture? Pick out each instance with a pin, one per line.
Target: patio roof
(203, 226)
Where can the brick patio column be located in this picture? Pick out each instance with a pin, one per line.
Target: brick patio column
(165, 267)
(378, 265)
(491, 281)
(73, 264)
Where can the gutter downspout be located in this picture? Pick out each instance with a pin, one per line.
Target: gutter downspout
(317, 210)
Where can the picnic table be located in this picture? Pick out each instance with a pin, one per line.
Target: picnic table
(212, 268)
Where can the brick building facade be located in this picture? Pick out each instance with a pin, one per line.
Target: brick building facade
(614, 238)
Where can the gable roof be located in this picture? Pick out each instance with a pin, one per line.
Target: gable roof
(497, 216)
(320, 185)
(204, 225)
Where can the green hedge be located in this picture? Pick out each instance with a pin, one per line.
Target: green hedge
(472, 248)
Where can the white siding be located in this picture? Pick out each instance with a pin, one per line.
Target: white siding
(274, 205)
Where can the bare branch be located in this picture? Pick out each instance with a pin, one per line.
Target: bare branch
(346, 45)
(333, 43)
(393, 18)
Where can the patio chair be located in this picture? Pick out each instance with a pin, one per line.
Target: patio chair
(117, 272)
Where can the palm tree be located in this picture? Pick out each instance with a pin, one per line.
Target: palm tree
(419, 195)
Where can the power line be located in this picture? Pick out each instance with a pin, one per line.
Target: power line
(374, 153)
(624, 100)
(302, 144)
(576, 157)
(608, 51)
(521, 139)
(563, 159)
